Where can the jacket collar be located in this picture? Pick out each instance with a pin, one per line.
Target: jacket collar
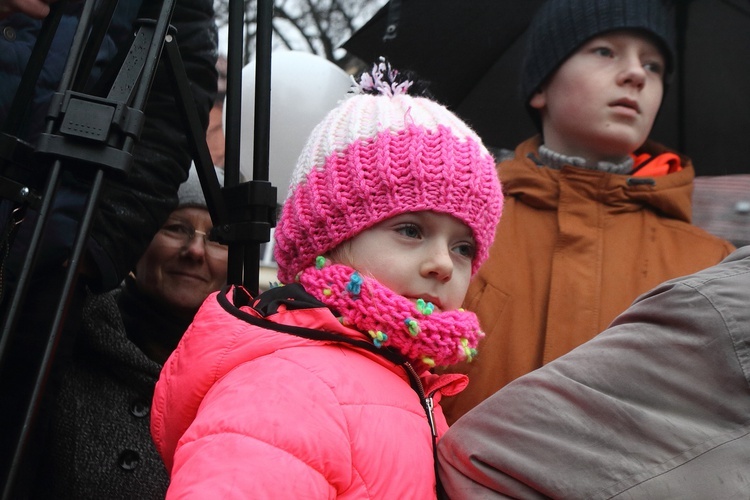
(524, 178)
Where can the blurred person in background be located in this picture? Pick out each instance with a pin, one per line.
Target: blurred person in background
(131, 211)
(99, 444)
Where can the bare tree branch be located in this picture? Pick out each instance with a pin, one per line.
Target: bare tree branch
(317, 26)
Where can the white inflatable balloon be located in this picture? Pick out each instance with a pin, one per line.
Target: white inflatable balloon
(304, 87)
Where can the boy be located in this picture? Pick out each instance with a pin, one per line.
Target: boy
(596, 213)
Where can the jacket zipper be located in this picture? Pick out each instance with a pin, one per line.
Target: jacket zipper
(431, 414)
(429, 407)
(427, 402)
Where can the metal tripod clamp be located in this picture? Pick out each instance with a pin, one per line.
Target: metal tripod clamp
(251, 213)
(86, 124)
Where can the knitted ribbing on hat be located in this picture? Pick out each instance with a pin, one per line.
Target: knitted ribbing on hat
(377, 156)
(424, 337)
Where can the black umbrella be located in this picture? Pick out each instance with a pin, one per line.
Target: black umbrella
(471, 52)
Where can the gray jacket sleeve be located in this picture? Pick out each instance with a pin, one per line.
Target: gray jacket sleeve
(657, 406)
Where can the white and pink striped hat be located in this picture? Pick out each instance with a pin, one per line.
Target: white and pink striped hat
(380, 153)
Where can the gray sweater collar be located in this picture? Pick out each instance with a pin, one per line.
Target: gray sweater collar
(556, 161)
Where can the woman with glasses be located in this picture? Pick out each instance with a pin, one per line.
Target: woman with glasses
(99, 444)
(181, 266)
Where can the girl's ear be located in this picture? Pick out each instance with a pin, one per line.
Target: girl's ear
(341, 254)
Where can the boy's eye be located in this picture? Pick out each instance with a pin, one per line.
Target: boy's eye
(654, 67)
(408, 230)
(604, 51)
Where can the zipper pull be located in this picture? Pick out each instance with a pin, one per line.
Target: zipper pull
(430, 406)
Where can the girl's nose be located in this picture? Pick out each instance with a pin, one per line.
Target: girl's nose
(438, 264)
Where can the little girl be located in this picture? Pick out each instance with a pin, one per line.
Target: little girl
(321, 388)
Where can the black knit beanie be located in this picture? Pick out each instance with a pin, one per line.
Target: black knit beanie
(561, 26)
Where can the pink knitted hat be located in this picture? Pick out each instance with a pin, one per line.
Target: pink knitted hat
(377, 156)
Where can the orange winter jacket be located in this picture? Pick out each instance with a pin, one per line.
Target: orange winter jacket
(573, 249)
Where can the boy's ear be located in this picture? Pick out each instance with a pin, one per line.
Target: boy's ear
(538, 99)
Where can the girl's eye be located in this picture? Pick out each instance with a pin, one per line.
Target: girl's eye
(465, 250)
(604, 51)
(409, 230)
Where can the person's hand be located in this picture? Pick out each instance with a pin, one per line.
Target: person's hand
(37, 9)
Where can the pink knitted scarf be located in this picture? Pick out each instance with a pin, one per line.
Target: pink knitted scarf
(424, 337)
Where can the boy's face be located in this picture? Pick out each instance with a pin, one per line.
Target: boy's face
(424, 255)
(601, 102)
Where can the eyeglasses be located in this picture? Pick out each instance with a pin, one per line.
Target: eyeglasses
(183, 234)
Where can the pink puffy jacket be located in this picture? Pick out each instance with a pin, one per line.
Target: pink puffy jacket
(243, 411)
